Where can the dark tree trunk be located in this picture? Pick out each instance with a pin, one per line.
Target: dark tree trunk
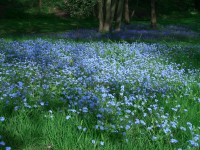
(40, 4)
(107, 16)
(100, 15)
(119, 15)
(126, 12)
(153, 14)
(113, 9)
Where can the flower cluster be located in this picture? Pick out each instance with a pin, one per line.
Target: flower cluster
(133, 32)
(119, 86)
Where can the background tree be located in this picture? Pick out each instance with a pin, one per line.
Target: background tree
(119, 14)
(153, 14)
(113, 10)
(126, 11)
(40, 4)
(108, 11)
(107, 23)
(100, 15)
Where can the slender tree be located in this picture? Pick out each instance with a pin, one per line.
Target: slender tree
(119, 15)
(107, 10)
(100, 15)
(153, 14)
(126, 12)
(107, 23)
(40, 4)
(113, 9)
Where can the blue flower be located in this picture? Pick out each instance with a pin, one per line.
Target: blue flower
(85, 109)
(101, 143)
(20, 84)
(68, 117)
(194, 143)
(93, 141)
(80, 127)
(173, 141)
(196, 137)
(2, 143)
(84, 129)
(154, 138)
(99, 116)
(42, 103)
(8, 148)
(2, 119)
(127, 127)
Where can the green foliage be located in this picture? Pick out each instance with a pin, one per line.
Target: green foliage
(169, 6)
(82, 8)
(78, 8)
(142, 7)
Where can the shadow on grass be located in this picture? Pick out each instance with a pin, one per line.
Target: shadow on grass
(22, 129)
(188, 57)
(185, 19)
(43, 24)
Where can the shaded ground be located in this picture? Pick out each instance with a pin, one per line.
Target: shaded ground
(47, 24)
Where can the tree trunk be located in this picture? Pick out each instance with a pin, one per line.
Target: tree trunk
(119, 15)
(113, 9)
(40, 4)
(107, 16)
(100, 15)
(153, 14)
(126, 12)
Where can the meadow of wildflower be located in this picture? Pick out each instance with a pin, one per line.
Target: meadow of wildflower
(65, 95)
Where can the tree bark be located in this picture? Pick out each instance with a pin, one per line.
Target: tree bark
(153, 14)
(100, 15)
(107, 16)
(40, 4)
(126, 12)
(113, 9)
(119, 15)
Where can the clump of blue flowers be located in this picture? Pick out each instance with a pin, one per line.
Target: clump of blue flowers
(120, 86)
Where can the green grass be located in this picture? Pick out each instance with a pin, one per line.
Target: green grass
(35, 129)
(177, 18)
(49, 23)
(184, 19)
(45, 24)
